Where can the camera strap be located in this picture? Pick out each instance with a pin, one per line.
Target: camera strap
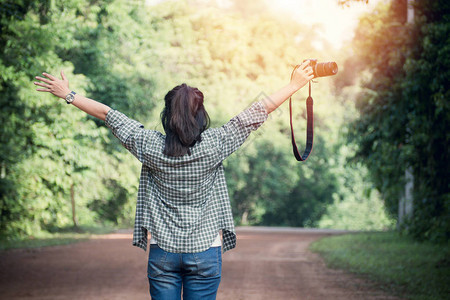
(309, 129)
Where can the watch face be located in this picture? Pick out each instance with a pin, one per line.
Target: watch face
(69, 98)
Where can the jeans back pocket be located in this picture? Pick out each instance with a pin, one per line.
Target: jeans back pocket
(209, 262)
(156, 261)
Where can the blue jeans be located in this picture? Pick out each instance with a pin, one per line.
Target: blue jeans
(198, 274)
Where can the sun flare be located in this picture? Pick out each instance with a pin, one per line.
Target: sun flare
(337, 22)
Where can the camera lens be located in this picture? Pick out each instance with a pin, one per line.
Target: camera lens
(325, 69)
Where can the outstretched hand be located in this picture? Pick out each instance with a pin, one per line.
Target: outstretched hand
(302, 75)
(51, 84)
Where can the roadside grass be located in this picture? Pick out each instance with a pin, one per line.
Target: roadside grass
(62, 236)
(397, 263)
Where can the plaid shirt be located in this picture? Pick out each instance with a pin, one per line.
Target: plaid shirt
(183, 201)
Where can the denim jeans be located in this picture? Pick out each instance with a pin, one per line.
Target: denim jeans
(197, 274)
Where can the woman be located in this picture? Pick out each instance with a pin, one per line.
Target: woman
(182, 198)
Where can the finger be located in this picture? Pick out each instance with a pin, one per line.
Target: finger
(63, 76)
(43, 79)
(43, 90)
(304, 64)
(43, 85)
(49, 76)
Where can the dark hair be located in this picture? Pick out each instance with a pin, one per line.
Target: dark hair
(184, 118)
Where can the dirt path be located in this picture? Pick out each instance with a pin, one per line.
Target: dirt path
(267, 264)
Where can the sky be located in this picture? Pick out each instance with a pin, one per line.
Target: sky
(338, 22)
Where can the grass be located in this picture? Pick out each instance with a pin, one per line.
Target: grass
(397, 263)
(63, 236)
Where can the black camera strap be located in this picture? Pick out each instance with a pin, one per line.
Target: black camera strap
(309, 129)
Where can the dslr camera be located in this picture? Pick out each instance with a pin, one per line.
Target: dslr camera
(324, 68)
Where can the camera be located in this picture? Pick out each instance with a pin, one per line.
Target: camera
(324, 68)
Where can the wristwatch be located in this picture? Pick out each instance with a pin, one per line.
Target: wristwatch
(70, 97)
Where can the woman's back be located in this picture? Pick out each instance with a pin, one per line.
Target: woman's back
(186, 180)
(183, 200)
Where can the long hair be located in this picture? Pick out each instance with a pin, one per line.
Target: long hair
(184, 118)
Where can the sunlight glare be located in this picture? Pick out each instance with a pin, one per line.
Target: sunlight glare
(337, 22)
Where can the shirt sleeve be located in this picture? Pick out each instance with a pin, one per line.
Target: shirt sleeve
(130, 133)
(234, 133)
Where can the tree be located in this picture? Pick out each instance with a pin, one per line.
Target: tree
(403, 112)
(49, 153)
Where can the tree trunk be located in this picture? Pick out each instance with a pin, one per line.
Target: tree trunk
(244, 219)
(72, 198)
(406, 203)
(405, 14)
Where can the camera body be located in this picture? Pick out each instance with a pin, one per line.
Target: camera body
(324, 68)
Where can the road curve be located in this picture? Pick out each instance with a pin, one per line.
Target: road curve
(275, 263)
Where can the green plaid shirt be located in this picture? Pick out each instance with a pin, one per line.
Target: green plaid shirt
(183, 201)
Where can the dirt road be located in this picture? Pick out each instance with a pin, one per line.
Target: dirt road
(267, 264)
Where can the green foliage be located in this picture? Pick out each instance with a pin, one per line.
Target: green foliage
(357, 214)
(356, 205)
(404, 111)
(47, 148)
(111, 207)
(398, 263)
(379, 42)
(427, 89)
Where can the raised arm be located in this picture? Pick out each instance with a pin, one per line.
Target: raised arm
(60, 88)
(300, 77)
